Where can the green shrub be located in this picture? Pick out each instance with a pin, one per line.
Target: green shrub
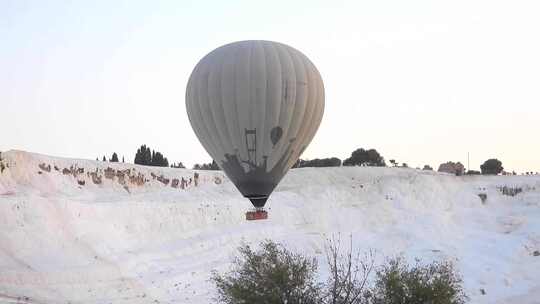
(270, 275)
(399, 283)
(274, 275)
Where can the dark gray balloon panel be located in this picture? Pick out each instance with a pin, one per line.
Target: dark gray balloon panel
(255, 181)
(255, 106)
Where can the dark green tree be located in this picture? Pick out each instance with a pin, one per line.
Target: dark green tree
(270, 275)
(427, 167)
(146, 156)
(114, 158)
(492, 166)
(399, 283)
(104, 159)
(140, 156)
(158, 160)
(365, 157)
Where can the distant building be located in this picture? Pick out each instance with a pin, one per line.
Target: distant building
(452, 168)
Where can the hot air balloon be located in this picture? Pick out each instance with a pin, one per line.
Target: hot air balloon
(255, 106)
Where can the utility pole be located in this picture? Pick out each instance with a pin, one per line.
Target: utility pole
(468, 167)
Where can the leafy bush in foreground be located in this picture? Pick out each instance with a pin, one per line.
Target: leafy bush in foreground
(270, 275)
(399, 283)
(274, 275)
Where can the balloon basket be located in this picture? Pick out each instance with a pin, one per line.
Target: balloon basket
(256, 215)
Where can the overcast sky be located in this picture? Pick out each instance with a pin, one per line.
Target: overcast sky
(423, 82)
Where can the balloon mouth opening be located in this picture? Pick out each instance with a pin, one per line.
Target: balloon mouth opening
(257, 200)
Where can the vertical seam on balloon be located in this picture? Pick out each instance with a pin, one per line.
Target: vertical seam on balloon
(236, 100)
(250, 65)
(225, 142)
(302, 127)
(215, 144)
(309, 110)
(319, 102)
(288, 126)
(279, 72)
(192, 109)
(231, 125)
(309, 120)
(321, 95)
(314, 113)
(264, 133)
(284, 55)
(196, 106)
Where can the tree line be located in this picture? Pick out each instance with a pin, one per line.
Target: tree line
(359, 157)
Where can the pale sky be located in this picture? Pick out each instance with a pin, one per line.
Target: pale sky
(423, 82)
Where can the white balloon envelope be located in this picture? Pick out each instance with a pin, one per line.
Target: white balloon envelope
(255, 106)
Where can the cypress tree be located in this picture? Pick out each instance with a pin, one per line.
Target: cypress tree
(114, 158)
